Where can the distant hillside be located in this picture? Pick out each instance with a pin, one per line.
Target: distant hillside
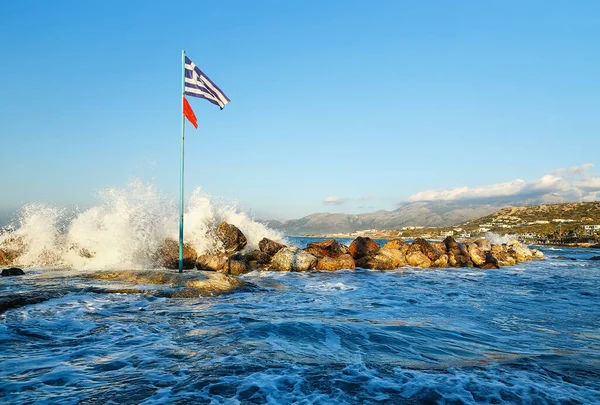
(428, 214)
(540, 219)
(579, 212)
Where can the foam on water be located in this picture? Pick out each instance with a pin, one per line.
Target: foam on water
(124, 230)
(460, 336)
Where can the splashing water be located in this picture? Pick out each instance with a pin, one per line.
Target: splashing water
(496, 239)
(124, 230)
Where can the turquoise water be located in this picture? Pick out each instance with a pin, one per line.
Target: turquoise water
(527, 334)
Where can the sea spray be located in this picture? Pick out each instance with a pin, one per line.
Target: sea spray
(497, 239)
(124, 230)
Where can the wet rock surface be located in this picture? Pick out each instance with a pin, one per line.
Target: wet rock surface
(12, 271)
(361, 247)
(231, 237)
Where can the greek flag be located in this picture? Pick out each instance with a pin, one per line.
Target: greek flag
(197, 84)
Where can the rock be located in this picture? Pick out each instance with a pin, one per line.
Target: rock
(231, 237)
(3, 259)
(418, 259)
(427, 248)
(398, 257)
(188, 284)
(439, 246)
(293, 259)
(269, 246)
(450, 243)
(345, 261)
(476, 255)
(595, 258)
(396, 244)
(514, 242)
(168, 255)
(327, 248)
(13, 271)
(458, 255)
(258, 259)
(490, 261)
(537, 254)
(502, 257)
(563, 258)
(361, 247)
(236, 265)
(484, 245)
(519, 252)
(211, 262)
(377, 262)
(443, 261)
(9, 257)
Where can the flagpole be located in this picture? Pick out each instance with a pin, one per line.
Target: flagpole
(181, 172)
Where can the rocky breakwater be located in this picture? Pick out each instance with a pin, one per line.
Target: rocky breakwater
(363, 252)
(232, 256)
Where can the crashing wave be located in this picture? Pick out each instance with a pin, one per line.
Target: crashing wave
(123, 231)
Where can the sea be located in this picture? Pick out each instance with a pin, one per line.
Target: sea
(527, 334)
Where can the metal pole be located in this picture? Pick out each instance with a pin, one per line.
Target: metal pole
(181, 172)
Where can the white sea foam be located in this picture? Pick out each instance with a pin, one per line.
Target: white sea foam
(124, 230)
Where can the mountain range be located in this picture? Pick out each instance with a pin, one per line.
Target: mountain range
(422, 213)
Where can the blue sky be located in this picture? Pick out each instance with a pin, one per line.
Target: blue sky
(340, 106)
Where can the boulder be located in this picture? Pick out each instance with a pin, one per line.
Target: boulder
(398, 257)
(231, 237)
(211, 262)
(439, 246)
(537, 254)
(450, 243)
(490, 261)
(484, 245)
(293, 259)
(345, 261)
(258, 259)
(418, 259)
(514, 242)
(13, 271)
(168, 255)
(443, 261)
(269, 246)
(327, 248)
(396, 244)
(502, 257)
(458, 255)
(476, 255)
(236, 265)
(377, 262)
(361, 247)
(520, 253)
(427, 248)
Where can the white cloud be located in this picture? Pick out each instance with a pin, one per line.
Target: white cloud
(366, 197)
(576, 181)
(334, 200)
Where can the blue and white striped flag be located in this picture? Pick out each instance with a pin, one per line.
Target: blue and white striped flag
(197, 84)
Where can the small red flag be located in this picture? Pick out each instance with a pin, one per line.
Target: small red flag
(189, 113)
